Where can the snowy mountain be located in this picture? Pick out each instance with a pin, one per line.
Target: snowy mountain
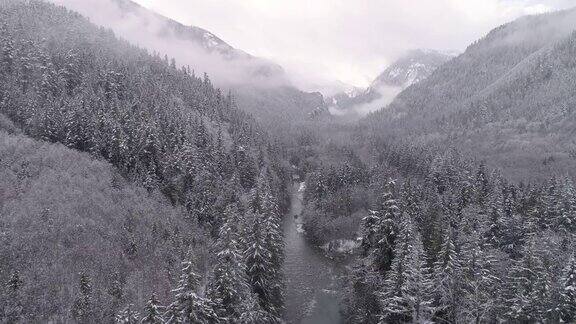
(508, 98)
(411, 68)
(255, 66)
(191, 46)
(260, 87)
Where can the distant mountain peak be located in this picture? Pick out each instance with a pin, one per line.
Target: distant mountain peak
(413, 67)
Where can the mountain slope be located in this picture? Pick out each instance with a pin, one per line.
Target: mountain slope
(262, 87)
(65, 213)
(411, 68)
(506, 99)
(186, 146)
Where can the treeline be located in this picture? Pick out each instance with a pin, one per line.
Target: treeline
(461, 244)
(66, 81)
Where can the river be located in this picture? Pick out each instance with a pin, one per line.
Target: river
(311, 278)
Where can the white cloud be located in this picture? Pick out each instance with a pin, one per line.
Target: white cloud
(320, 42)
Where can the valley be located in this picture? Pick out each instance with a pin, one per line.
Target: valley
(152, 173)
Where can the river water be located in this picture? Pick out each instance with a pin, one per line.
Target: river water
(311, 278)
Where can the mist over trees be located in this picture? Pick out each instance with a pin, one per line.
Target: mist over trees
(134, 191)
(508, 99)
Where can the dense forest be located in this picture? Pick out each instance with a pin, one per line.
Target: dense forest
(459, 217)
(134, 191)
(189, 215)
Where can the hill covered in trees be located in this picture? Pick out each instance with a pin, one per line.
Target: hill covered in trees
(186, 175)
(507, 99)
(260, 87)
(456, 239)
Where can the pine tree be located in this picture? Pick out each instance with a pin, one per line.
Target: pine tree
(188, 306)
(482, 185)
(495, 216)
(526, 286)
(551, 207)
(264, 256)
(568, 293)
(82, 309)
(407, 292)
(253, 313)
(567, 208)
(259, 264)
(128, 316)
(481, 280)
(15, 283)
(13, 308)
(153, 312)
(229, 287)
(447, 280)
(380, 230)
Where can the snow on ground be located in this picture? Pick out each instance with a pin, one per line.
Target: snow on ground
(341, 246)
(300, 228)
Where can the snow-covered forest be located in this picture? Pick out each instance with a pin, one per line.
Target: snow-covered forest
(134, 189)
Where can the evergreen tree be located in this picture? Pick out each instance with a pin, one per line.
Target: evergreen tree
(447, 280)
(380, 230)
(481, 280)
(82, 310)
(153, 312)
(526, 287)
(128, 316)
(13, 308)
(188, 306)
(407, 292)
(259, 266)
(567, 207)
(568, 293)
(253, 313)
(264, 254)
(229, 287)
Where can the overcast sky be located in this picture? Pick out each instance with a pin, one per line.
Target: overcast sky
(347, 40)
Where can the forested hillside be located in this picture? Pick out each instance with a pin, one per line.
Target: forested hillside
(259, 86)
(479, 225)
(507, 99)
(68, 218)
(165, 131)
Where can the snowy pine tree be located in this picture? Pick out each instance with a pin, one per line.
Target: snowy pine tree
(128, 316)
(188, 306)
(228, 287)
(525, 286)
(82, 309)
(13, 308)
(253, 313)
(568, 292)
(447, 280)
(153, 311)
(380, 230)
(259, 264)
(567, 207)
(407, 292)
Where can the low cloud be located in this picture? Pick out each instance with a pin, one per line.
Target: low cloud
(324, 45)
(145, 29)
(387, 95)
(322, 41)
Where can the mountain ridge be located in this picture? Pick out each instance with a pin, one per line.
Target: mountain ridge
(412, 67)
(510, 83)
